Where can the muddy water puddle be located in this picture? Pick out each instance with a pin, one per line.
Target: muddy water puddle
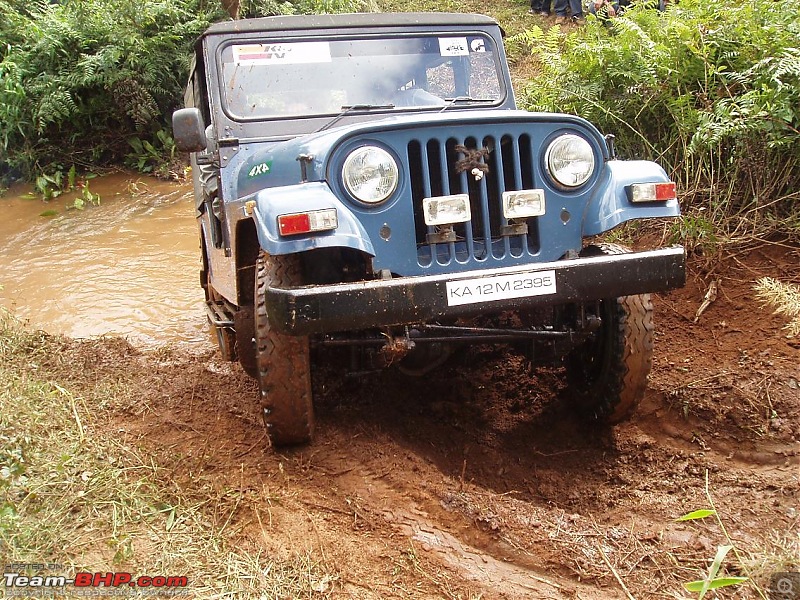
(128, 267)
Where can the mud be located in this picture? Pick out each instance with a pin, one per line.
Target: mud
(479, 481)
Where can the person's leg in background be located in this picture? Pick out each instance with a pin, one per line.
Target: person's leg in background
(561, 8)
(540, 7)
(576, 10)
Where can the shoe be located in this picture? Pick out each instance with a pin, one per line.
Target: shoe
(544, 13)
(578, 19)
(531, 11)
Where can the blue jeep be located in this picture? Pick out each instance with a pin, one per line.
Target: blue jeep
(366, 180)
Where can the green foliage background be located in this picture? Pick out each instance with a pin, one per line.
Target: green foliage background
(93, 82)
(709, 89)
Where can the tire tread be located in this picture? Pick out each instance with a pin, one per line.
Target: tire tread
(283, 361)
(616, 391)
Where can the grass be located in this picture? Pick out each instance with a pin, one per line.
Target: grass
(513, 16)
(784, 298)
(73, 494)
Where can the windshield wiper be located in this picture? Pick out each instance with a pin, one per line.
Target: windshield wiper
(465, 100)
(346, 110)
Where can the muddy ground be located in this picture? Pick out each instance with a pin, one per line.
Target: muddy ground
(479, 481)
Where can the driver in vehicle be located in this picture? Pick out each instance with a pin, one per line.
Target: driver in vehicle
(407, 96)
(416, 97)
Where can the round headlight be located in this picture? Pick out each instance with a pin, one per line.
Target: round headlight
(370, 174)
(570, 160)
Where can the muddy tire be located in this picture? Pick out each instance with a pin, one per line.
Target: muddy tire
(244, 321)
(608, 374)
(284, 370)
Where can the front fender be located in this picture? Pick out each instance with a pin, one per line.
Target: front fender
(611, 205)
(272, 202)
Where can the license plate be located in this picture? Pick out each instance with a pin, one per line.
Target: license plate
(500, 287)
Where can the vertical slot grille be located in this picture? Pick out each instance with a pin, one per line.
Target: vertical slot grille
(441, 167)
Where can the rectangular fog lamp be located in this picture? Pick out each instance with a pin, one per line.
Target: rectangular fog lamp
(524, 203)
(444, 210)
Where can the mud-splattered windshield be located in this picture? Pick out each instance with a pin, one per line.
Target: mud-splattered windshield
(263, 80)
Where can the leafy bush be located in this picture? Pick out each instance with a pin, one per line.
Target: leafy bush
(81, 76)
(711, 90)
(86, 81)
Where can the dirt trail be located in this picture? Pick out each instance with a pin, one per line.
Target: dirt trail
(479, 481)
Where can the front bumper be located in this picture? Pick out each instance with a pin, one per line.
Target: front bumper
(367, 304)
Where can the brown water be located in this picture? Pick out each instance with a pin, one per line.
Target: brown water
(128, 267)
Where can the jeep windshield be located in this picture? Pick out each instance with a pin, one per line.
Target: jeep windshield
(289, 79)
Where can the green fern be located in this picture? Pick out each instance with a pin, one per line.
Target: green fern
(55, 107)
(709, 89)
(77, 79)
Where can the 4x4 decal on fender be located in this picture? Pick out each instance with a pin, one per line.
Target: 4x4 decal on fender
(260, 169)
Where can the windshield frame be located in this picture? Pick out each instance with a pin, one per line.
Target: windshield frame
(226, 47)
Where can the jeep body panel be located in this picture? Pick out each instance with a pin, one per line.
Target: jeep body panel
(273, 202)
(238, 139)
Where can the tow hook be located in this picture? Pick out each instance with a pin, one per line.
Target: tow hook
(395, 349)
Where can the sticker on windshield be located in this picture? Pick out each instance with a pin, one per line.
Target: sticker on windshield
(453, 46)
(477, 45)
(286, 54)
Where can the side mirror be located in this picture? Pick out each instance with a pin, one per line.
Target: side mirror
(188, 130)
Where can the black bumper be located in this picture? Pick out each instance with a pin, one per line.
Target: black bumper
(363, 305)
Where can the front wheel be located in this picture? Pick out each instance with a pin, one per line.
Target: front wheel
(608, 374)
(283, 361)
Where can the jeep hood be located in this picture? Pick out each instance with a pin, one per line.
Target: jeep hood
(305, 158)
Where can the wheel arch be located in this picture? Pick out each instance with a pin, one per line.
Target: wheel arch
(246, 255)
(610, 206)
(273, 202)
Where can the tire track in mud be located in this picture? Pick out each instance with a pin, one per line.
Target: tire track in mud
(422, 520)
(657, 421)
(543, 503)
(595, 508)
